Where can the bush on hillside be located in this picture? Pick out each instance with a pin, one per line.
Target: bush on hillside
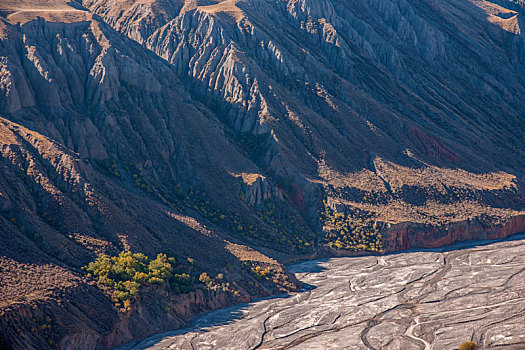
(468, 346)
(126, 273)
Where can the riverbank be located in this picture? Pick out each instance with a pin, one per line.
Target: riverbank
(435, 297)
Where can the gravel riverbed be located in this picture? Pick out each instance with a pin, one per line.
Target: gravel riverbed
(421, 300)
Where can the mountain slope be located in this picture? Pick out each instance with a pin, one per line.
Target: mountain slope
(105, 183)
(238, 135)
(408, 112)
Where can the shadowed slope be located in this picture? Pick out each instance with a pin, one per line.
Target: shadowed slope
(242, 134)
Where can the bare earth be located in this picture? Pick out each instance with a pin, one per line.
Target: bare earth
(415, 300)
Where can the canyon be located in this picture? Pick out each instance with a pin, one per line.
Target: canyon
(237, 136)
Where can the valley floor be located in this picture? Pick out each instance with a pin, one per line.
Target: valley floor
(432, 299)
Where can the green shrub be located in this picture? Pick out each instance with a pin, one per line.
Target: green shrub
(353, 230)
(260, 273)
(126, 273)
(205, 278)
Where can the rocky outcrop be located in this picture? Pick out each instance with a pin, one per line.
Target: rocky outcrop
(411, 236)
(145, 321)
(257, 189)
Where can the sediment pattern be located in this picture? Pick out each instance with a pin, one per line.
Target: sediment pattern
(415, 300)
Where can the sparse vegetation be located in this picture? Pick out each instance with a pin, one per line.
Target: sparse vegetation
(263, 276)
(287, 228)
(260, 273)
(109, 167)
(125, 274)
(354, 231)
(139, 179)
(287, 233)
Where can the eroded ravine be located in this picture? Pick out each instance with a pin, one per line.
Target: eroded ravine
(414, 300)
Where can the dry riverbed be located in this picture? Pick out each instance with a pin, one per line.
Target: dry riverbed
(433, 299)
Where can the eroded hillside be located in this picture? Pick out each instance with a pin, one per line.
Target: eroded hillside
(237, 135)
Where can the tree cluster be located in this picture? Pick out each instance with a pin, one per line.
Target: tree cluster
(128, 272)
(353, 231)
